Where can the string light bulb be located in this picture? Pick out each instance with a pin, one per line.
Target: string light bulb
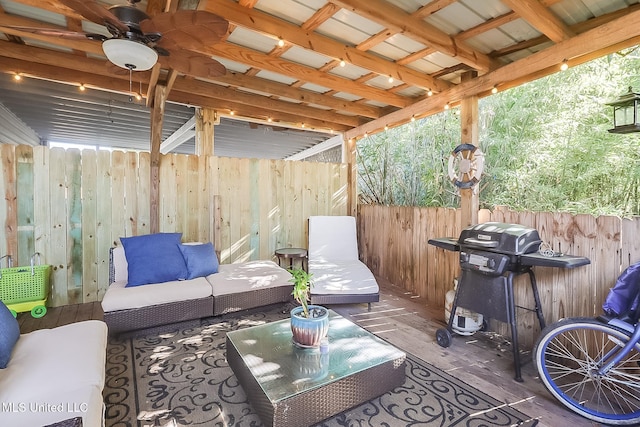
(564, 66)
(342, 63)
(494, 89)
(269, 119)
(138, 97)
(429, 92)
(446, 106)
(231, 112)
(17, 77)
(390, 79)
(81, 87)
(280, 42)
(386, 127)
(413, 118)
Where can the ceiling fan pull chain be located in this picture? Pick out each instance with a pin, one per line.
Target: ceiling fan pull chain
(130, 89)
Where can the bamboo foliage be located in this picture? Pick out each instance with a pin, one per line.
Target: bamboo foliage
(71, 206)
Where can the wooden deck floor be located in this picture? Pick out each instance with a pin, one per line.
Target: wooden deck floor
(482, 360)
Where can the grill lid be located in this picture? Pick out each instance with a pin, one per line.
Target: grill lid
(513, 239)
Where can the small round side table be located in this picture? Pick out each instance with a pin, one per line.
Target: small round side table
(292, 254)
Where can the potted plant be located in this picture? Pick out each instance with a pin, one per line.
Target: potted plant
(309, 323)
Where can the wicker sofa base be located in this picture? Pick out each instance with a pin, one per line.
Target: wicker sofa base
(156, 315)
(229, 303)
(329, 299)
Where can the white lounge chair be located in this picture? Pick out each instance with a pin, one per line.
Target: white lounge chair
(339, 277)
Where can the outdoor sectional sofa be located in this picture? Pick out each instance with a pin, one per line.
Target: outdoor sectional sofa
(52, 377)
(232, 288)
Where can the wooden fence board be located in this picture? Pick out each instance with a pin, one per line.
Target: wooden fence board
(59, 233)
(118, 223)
(41, 202)
(130, 207)
(89, 256)
(143, 190)
(104, 235)
(73, 177)
(24, 205)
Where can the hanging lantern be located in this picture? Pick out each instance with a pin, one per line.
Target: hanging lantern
(626, 113)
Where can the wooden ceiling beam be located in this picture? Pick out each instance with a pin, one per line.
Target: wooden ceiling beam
(60, 74)
(431, 8)
(496, 22)
(301, 72)
(609, 37)
(184, 84)
(302, 95)
(578, 28)
(38, 55)
(541, 19)
(85, 45)
(271, 25)
(398, 20)
(253, 112)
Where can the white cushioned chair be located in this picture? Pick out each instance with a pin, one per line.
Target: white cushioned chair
(339, 277)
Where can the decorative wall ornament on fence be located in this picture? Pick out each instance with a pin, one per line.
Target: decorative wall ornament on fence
(466, 164)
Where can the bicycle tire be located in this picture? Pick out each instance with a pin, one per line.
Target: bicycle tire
(565, 356)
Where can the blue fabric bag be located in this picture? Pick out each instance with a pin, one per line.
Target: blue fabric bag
(624, 297)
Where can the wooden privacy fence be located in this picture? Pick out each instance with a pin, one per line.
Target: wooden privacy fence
(72, 206)
(393, 242)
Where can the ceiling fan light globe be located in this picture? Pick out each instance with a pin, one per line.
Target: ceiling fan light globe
(129, 54)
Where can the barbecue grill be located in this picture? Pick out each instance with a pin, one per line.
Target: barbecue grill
(491, 255)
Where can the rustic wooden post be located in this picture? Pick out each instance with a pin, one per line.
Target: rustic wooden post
(349, 157)
(469, 203)
(157, 118)
(206, 119)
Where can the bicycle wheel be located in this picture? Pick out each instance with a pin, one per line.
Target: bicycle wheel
(567, 357)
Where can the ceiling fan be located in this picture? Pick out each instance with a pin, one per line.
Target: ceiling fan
(138, 41)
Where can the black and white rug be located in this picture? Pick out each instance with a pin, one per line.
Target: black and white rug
(178, 375)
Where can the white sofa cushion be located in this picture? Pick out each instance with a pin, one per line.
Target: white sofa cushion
(247, 276)
(52, 367)
(118, 297)
(341, 277)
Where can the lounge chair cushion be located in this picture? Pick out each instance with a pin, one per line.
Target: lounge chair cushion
(333, 258)
(347, 277)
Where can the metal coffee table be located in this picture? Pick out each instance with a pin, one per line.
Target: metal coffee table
(288, 386)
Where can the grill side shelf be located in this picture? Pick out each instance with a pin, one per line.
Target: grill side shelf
(448, 243)
(563, 261)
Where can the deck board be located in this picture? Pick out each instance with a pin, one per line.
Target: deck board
(483, 360)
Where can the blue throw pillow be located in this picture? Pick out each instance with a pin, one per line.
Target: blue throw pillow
(154, 258)
(201, 259)
(9, 334)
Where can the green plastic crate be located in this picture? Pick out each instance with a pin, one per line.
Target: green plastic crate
(26, 288)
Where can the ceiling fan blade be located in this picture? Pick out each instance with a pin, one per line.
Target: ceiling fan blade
(94, 12)
(51, 32)
(193, 64)
(187, 29)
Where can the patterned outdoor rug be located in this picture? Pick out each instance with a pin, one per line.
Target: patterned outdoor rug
(178, 375)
